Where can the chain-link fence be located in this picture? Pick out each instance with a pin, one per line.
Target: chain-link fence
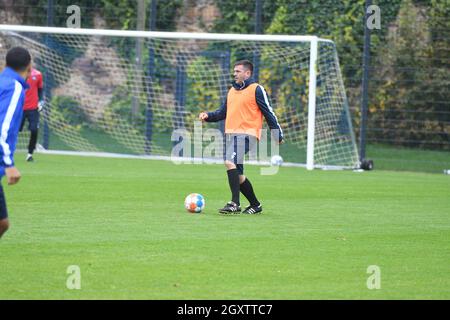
(408, 125)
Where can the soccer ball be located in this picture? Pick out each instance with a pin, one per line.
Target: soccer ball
(276, 160)
(194, 203)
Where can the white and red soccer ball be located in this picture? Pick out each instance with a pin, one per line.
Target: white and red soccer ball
(194, 203)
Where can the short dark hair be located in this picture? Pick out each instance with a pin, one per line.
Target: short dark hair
(247, 64)
(18, 59)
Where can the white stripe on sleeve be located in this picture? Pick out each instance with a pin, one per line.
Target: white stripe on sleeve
(7, 123)
(266, 100)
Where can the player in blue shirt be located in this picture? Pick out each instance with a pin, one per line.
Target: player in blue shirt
(12, 96)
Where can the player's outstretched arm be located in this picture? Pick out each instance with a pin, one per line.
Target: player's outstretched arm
(219, 114)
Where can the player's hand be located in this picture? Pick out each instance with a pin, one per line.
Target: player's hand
(203, 116)
(281, 141)
(41, 105)
(12, 175)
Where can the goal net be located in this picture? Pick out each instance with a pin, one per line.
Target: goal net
(127, 91)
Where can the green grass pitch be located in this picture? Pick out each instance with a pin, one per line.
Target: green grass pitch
(122, 221)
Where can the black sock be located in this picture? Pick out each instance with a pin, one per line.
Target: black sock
(247, 190)
(33, 141)
(233, 180)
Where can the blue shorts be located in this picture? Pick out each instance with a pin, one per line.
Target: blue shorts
(33, 119)
(236, 147)
(3, 210)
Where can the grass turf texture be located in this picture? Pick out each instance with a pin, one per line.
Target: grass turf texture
(123, 222)
(386, 157)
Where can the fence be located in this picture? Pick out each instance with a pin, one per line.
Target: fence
(408, 114)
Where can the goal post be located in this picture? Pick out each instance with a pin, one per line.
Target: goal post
(311, 105)
(93, 80)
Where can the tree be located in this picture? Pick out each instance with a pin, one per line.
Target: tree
(408, 108)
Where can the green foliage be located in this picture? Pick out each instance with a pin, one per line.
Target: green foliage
(240, 17)
(120, 105)
(35, 12)
(235, 18)
(67, 110)
(416, 80)
(122, 14)
(119, 110)
(288, 86)
(200, 96)
(166, 14)
(118, 14)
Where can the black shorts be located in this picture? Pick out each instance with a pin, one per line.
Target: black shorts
(33, 119)
(3, 210)
(237, 146)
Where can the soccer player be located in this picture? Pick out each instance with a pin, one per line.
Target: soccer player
(12, 95)
(31, 108)
(246, 104)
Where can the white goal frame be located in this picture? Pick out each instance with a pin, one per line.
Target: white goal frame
(313, 40)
